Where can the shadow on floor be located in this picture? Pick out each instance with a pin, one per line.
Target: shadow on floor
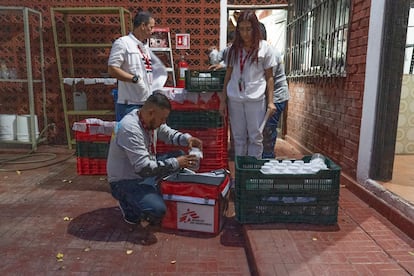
(106, 225)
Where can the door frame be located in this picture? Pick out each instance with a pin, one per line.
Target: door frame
(382, 92)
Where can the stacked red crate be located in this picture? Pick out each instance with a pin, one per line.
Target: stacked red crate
(214, 147)
(92, 144)
(214, 136)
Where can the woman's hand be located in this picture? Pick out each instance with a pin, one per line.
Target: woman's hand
(271, 107)
(215, 67)
(223, 103)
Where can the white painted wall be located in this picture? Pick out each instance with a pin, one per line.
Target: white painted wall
(370, 90)
(223, 24)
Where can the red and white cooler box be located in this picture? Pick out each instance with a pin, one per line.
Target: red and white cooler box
(196, 201)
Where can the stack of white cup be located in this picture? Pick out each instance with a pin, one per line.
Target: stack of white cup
(287, 166)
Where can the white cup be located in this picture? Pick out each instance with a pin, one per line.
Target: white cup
(299, 162)
(199, 154)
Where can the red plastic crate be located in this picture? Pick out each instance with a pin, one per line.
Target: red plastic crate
(212, 104)
(213, 157)
(211, 165)
(86, 137)
(90, 166)
(94, 132)
(209, 136)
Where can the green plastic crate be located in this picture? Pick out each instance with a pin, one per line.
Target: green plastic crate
(195, 119)
(273, 198)
(96, 150)
(204, 81)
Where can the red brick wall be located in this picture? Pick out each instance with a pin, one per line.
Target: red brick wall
(200, 18)
(325, 114)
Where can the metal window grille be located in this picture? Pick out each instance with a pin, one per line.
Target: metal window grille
(317, 34)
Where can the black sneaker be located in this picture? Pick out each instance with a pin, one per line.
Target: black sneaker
(126, 218)
(153, 221)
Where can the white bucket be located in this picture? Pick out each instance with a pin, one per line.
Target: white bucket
(7, 127)
(23, 127)
(80, 101)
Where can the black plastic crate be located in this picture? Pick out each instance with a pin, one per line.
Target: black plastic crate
(266, 198)
(204, 81)
(97, 150)
(195, 119)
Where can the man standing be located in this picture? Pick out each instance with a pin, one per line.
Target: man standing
(280, 99)
(133, 167)
(137, 68)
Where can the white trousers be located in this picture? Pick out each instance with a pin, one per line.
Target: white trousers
(245, 120)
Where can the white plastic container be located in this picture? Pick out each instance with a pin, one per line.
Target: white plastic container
(23, 128)
(80, 101)
(7, 127)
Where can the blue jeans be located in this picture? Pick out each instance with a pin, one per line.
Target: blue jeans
(123, 109)
(270, 131)
(139, 201)
(141, 198)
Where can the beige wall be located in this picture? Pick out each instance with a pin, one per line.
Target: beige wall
(405, 131)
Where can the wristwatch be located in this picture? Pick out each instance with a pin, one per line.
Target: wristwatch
(135, 79)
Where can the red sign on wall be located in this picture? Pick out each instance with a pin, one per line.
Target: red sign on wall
(182, 41)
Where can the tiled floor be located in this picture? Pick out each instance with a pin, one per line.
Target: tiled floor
(402, 182)
(53, 222)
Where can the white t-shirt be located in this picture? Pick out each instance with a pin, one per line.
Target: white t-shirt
(253, 77)
(130, 54)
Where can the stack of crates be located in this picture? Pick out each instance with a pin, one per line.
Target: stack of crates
(281, 198)
(203, 120)
(92, 145)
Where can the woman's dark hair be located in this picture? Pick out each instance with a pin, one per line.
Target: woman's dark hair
(159, 100)
(237, 46)
(263, 30)
(142, 17)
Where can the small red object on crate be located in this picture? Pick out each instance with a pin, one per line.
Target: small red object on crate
(193, 205)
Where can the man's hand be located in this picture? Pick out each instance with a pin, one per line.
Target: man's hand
(194, 142)
(187, 161)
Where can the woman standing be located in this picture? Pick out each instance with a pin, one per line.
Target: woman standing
(248, 85)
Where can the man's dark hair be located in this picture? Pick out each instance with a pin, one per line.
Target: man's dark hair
(159, 100)
(142, 17)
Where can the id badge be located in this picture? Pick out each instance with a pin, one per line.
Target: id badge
(150, 77)
(241, 84)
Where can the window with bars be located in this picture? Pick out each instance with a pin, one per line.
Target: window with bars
(317, 34)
